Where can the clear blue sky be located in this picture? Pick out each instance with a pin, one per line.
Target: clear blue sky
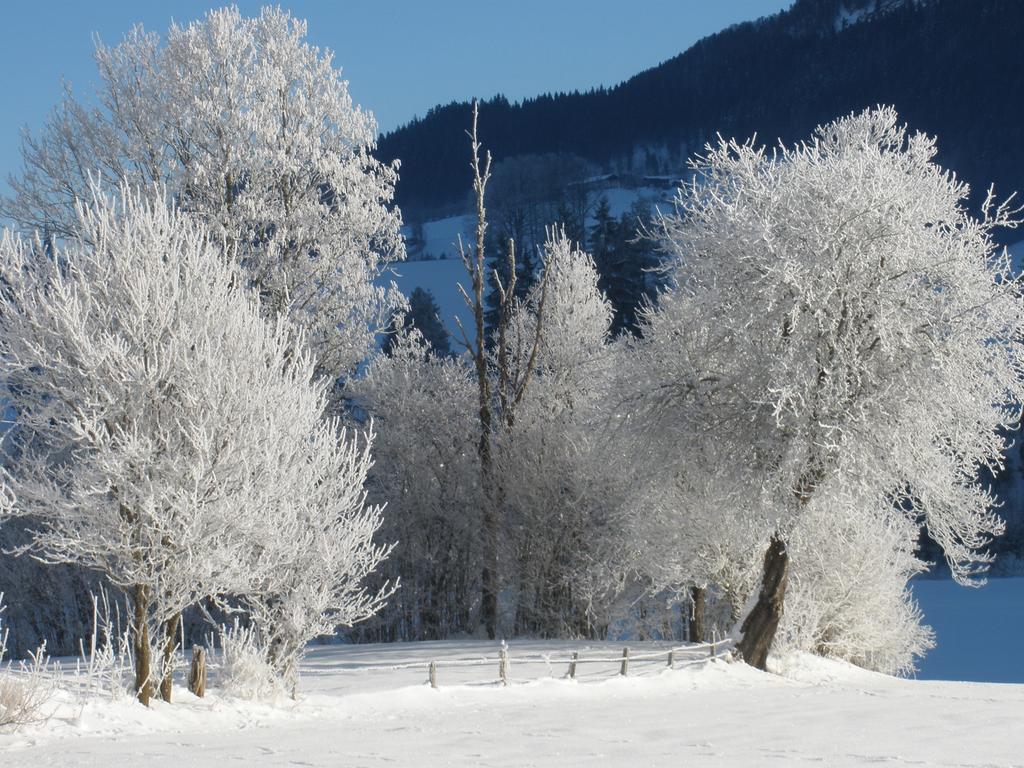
(400, 56)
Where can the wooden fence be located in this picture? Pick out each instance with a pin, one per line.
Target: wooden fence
(669, 658)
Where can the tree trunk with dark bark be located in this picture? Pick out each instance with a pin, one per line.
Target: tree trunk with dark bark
(759, 627)
(489, 576)
(170, 643)
(697, 601)
(140, 632)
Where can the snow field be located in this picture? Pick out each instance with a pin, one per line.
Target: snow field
(441, 278)
(711, 714)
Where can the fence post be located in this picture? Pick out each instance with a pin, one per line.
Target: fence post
(624, 670)
(711, 648)
(572, 665)
(432, 674)
(671, 657)
(503, 663)
(197, 673)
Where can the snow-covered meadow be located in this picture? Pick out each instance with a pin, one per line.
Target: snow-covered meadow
(710, 714)
(372, 705)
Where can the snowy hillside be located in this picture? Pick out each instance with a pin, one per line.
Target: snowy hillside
(435, 264)
(441, 278)
(714, 714)
(440, 236)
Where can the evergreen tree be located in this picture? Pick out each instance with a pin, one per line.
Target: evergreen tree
(602, 234)
(527, 270)
(625, 262)
(424, 315)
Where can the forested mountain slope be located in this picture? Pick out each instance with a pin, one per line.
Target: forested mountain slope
(951, 67)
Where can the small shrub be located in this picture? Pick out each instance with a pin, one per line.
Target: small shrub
(245, 671)
(107, 666)
(24, 690)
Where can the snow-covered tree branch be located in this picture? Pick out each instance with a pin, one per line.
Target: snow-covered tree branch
(254, 133)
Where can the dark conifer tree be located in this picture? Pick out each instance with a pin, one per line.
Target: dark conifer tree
(625, 262)
(424, 315)
(527, 270)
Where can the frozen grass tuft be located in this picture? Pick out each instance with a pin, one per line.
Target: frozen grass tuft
(245, 671)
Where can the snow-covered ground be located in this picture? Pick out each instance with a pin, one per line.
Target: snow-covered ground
(441, 236)
(441, 278)
(710, 714)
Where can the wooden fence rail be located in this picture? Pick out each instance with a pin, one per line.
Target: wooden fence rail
(680, 656)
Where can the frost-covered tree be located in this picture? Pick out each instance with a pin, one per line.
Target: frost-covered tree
(163, 429)
(686, 519)
(848, 594)
(427, 469)
(503, 375)
(507, 360)
(549, 484)
(861, 332)
(681, 529)
(549, 457)
(308, 564)
(576, 324)
(252, 131)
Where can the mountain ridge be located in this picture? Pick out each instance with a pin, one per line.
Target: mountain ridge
(948, 66)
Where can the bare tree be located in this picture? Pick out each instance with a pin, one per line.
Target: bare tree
(499, 373)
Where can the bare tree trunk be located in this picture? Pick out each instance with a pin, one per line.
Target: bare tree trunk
(697, 600)
(759, 627)
(143, 683)
(476, 266)
(489, 602)
(510, 388)
(170, 643)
